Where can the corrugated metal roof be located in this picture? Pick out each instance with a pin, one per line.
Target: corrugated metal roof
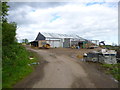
(57, 35)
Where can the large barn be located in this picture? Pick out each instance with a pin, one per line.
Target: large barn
(58, 40)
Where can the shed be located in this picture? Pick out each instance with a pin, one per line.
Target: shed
(58, 40)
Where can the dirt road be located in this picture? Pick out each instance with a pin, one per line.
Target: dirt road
(63, 70)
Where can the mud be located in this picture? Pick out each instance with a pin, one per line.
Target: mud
(64, 70)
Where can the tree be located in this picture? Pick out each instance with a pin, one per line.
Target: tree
(8, 29)
(4, 11)
(8, 33)
(25, 41)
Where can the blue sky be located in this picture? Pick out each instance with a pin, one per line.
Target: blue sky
(92, 3)
(54, 18)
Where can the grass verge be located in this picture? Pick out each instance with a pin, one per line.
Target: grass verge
(17, 65)
(113, 69)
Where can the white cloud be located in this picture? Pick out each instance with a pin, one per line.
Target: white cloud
(97, 21)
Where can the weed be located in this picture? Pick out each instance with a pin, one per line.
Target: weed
(113, 69)
(15, 64)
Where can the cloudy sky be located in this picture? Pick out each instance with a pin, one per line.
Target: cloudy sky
(90, 20)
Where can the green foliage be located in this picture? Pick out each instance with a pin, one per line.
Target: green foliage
(15, 58)
(15, 64)
(8, 33)
(0, 11)
(4, 11)
(111, 47)
(25, 41)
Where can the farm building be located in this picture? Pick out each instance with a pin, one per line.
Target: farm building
(58, 40)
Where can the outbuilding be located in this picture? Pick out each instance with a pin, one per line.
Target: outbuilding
(58, 40)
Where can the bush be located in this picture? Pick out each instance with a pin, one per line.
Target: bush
(15, 58)
(15, 64)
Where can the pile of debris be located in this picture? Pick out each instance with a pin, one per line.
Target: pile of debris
(103, 56)
(118, 56)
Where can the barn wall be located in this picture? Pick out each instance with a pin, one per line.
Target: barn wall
(54, 43)
(40, 37)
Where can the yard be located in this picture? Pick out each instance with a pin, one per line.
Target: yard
(63, 68)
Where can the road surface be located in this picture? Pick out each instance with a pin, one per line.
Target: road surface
(61, 69)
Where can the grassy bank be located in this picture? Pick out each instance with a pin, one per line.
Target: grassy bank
(113, 69)
(16, 64)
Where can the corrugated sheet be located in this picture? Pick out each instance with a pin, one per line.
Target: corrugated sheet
(56, 35)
